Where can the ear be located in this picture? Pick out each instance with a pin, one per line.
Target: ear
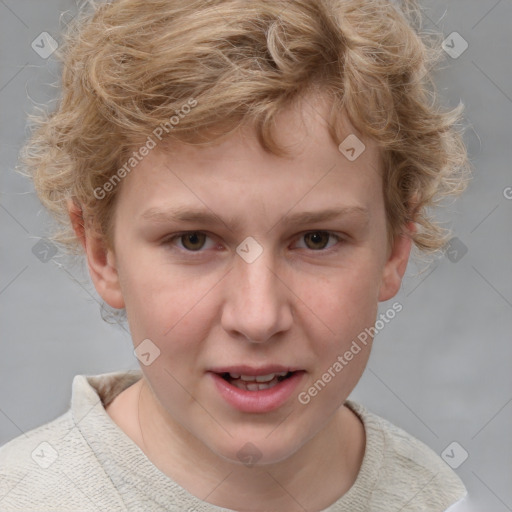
(395, 266)
(100, 259)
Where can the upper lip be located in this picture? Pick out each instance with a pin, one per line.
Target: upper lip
(252, 371)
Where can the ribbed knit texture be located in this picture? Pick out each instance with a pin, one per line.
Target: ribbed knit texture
(99, 468)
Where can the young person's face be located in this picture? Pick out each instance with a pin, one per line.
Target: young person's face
(297, 306)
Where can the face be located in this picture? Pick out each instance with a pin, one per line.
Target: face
(237, 263)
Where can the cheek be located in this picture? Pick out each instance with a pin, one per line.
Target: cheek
(341, 343)
(169, 307)
(343, 301)
(346, 304)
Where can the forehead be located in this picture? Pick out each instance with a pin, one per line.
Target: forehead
(237, 171)
(301, 128)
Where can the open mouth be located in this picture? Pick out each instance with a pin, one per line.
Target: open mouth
(255, 382)
(256, 390)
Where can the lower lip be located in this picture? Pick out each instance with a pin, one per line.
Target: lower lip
(265, 400)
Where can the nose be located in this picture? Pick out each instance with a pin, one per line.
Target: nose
(257, 305)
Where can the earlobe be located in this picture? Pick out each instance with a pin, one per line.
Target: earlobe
(395, 266)
(101, 260)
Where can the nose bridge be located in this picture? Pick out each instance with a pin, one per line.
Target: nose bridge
(257, 306)
(257, 282)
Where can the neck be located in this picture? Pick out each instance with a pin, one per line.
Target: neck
(313, 478)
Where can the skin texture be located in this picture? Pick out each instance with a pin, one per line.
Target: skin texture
(297, 304)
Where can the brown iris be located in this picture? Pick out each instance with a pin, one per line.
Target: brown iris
(316, 239)
(193, 241)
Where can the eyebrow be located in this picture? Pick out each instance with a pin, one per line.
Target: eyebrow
(209, 218)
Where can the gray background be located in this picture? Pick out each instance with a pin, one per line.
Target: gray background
(440, 369)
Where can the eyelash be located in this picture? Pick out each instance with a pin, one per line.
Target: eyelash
(169, 242)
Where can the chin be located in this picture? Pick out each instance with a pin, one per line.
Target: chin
(259, 450)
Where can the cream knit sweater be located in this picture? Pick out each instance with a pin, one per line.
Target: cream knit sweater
(82, 461)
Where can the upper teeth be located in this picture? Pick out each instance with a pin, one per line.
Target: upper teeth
(257, 378)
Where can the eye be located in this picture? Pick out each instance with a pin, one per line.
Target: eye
(196, 241)
(192, 241)
(319, 240)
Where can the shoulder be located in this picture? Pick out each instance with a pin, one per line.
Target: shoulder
(52, 467)
(411, 475)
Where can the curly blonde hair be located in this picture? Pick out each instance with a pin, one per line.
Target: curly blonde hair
(130, 66)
